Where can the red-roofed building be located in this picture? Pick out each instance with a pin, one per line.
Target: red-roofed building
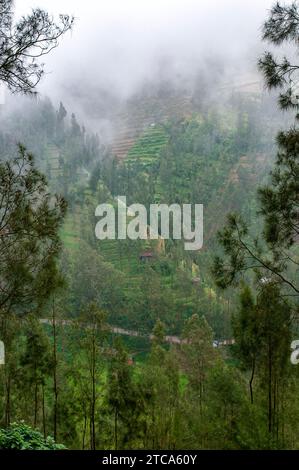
(146, 256)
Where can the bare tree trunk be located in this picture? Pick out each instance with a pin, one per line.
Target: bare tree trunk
(276, 408)
(84, 430)
(44, 411)
(115, 430)
(7, 402)
(55, 388)
(270, 387)
(93, 397)
(282, 420)
(251, 380)
(35, 405)
(7, 376)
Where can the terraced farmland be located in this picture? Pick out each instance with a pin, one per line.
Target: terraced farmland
(144, 110)
(146, 149)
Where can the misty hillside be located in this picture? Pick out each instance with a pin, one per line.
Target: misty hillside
(126, 321)
(167, 145)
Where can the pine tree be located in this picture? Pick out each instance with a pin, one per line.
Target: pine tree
(246, 333)
(30, 218)
(272, 254)
(274, 333)
(282, 26)
(122, 397)
(37, 364)
(93, 321)
(24, 42)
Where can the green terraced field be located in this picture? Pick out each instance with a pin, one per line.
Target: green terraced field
(147, 147)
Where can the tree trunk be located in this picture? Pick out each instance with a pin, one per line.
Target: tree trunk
(7, 403)
(115, 430)
(93, 397)
(55, 388)
(270, 388)
(84, 430)
(251, 380)
(7, 376)
(44, 411)
(35, 404)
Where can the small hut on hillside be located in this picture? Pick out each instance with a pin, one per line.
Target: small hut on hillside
(146, 256)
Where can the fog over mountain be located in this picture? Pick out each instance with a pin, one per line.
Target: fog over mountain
(116, 47)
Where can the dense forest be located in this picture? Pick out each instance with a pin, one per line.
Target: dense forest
(140, 344)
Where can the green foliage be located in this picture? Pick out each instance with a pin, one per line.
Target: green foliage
(73, 377)
(19, 436)
(282, 26)
(263, 326)
(29, 225)
(148, 147)
(279, 201)
(273, 253)
(124, 399)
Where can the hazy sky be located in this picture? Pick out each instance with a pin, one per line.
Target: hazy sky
(117, 45)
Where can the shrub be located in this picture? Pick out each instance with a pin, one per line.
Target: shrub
(22, 437)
